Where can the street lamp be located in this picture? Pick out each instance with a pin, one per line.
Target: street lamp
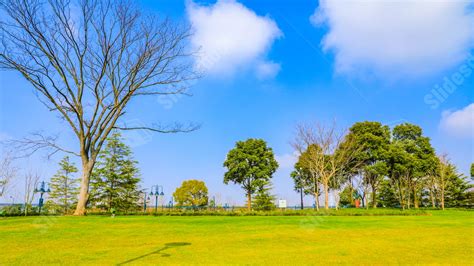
(157, 193)
(42, 190)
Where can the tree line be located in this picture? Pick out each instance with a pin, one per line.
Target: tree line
(370, 163)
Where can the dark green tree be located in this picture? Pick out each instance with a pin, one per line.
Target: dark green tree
(373, 142)
(302, 181)
(457, 188)
(387, 196)
(115, 178)
(250, 164)
(263, 200)
(64, 186)
(412, 160)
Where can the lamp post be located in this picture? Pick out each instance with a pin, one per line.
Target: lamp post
(42, 190)
(157, 189)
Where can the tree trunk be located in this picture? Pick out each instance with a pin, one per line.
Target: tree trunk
(415, 199)
(326, 196)
(249, 201)
(301, 194)
(316, 200)
(87, 167)
(442, 198)
(374, 198)
(432, 198)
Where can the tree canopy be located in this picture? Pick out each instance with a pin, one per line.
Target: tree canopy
(250, 164)
(191, 193)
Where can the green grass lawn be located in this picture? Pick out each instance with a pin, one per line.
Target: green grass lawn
(442, 238)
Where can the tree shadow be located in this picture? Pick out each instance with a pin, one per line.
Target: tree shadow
(157, 252)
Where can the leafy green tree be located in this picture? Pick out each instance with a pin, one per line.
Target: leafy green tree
(308, 167)
(250, 164)
(373, 142)
(302, 181)
(387, 196)
(191, 193)
(457, 188)
(115, 178)
(263, 199)
(64, 186)
(345, 197)
(412, 159)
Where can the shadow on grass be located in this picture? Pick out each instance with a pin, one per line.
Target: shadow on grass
(159, 251)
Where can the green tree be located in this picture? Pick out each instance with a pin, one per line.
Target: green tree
(302, 181)
(191, 193)
(263, 199)
(412, 160)
(115, 178)
(64, 185)
(345, 197)
(250, 164)
(387, 196)
(308, 165)
(373, 142)
(457, 188)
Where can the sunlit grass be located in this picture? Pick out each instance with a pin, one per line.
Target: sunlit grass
(443, 237)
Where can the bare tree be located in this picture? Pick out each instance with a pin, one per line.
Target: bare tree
(88, 60)
(441, 179)
(7, 172)
(331, 156)
(31, 183)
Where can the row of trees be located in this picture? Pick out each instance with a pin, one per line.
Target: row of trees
(370, 162)
(372, 157)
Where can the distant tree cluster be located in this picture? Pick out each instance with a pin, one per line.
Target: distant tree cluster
(389, 168)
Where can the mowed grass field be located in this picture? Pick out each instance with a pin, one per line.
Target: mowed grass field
(441, 238)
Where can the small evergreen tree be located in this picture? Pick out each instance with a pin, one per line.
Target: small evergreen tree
(263, 200)
(115, 178)
(457, 188)
(64, 187)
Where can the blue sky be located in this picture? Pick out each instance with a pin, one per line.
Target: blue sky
(272, 64)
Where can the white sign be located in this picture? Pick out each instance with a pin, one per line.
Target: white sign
(282, 203)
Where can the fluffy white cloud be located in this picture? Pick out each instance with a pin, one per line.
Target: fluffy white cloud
(231, 37)
(411, 37)
(459, 123)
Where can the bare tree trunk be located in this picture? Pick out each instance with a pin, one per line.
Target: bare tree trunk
(249, 201)
(326, 196)
(442, 198)
(316, 200)
(87, 167)
(415, 198)
(432, 198)
(374, 198)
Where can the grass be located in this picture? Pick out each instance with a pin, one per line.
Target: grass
(440, 238)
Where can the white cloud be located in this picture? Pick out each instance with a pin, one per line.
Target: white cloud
(286, 161)
(232, 37)
(411, 37)
(267, 70)
(459, 123)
